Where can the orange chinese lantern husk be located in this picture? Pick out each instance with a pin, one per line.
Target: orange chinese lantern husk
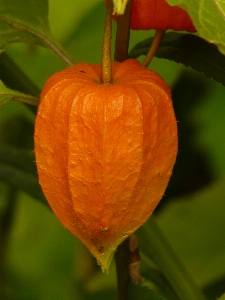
(105, 153)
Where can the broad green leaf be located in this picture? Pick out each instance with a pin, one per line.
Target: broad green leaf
(222, 297)
(42, 256)
(24, 21)
(10, 35)
(209, 121)
(21, 180)
(17, 161)
(154, 244)
(139, 292)
(7, 94)
(191, 51)
(17, 168)
(22, 159)
(194, 225)
(27, 21)
(221, 6)
(30, 13)
(208, 17)
(15, 78)
(153, 277)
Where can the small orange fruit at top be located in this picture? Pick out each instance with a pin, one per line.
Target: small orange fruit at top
(159, 15)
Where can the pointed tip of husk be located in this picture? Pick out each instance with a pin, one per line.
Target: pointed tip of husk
(104, 259)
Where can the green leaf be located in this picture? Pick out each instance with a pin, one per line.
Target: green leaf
(35, 269)
(32, 14)
(208, 18)
(21, 180)
(27, 21)
(155, 245)
(139, 292)
(19, 158)
(191, 51)
(10, 35)
(208, 119)
(194, 225)
(23, 21)
(7, 94)
(15, 78)
(222, 297)
(17, 168)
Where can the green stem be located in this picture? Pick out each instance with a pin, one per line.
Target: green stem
(153, 244)
(60, 52)
(159, 34)
(123, 34)
(26, 99)
(106, 72)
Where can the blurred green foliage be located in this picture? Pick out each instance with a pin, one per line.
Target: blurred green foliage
(41, 259)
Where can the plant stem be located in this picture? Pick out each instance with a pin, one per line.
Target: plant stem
(122, 253)
(134, 260)
(60, 52)
(122, 270)
(26, 99)
(159, 34)
(123, 34)
(106, 72)
(164, 256)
